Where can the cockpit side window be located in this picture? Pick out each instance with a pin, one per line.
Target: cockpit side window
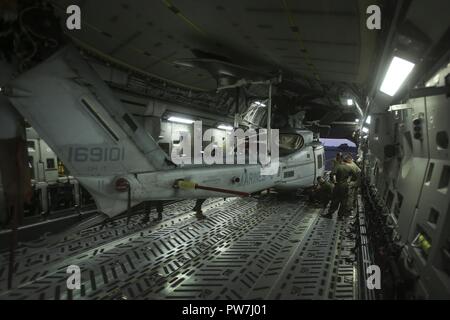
(290, 143)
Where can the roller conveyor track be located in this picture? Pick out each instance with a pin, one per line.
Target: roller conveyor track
(246, 249)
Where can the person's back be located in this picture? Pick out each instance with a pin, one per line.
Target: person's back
(354, 166)
(353, 185)
(343, 172)
(323, 192)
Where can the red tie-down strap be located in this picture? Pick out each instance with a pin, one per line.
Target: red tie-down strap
(183, 184)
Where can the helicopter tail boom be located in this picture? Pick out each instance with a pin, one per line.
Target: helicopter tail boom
(74, 111)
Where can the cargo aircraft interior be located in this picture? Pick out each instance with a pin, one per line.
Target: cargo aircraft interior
(224, 150)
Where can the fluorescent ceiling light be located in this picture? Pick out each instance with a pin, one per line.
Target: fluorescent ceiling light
(225, 127)
(259, 103)
(349, 102)
(365, 130)
(368, 119)
(356, 120)
(398, 71)
(180, 120)
(397, 107)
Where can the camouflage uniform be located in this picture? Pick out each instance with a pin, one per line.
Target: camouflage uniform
(325, 192)
(343, 173)
(335, 162)
(334, 165)
(353, 185)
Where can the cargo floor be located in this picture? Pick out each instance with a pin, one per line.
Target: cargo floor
(246, 249)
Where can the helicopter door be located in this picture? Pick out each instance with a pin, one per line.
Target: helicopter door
(318, 162)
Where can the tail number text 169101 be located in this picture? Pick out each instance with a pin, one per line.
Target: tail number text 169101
(96, 154)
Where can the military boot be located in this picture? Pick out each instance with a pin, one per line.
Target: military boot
(199, 215)
(159, 217)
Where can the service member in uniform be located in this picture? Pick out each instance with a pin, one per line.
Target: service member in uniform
(198, 209)
(335, 162)
(147, 209)
(353, 185)
(341, 176)
(323, 192)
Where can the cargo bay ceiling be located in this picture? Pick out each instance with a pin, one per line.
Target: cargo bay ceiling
(322, 48)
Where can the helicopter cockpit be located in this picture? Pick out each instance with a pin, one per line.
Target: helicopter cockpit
(290, 142)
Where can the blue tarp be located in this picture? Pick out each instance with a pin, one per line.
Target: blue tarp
(333, 146)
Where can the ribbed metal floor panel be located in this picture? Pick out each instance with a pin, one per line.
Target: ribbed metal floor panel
(246, 249)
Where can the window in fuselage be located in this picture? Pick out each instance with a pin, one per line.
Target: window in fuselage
(290, 143)
(319, 161)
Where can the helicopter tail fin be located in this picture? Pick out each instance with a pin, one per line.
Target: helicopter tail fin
(75, 112)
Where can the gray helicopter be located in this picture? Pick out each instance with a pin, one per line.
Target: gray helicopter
(121, 164)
